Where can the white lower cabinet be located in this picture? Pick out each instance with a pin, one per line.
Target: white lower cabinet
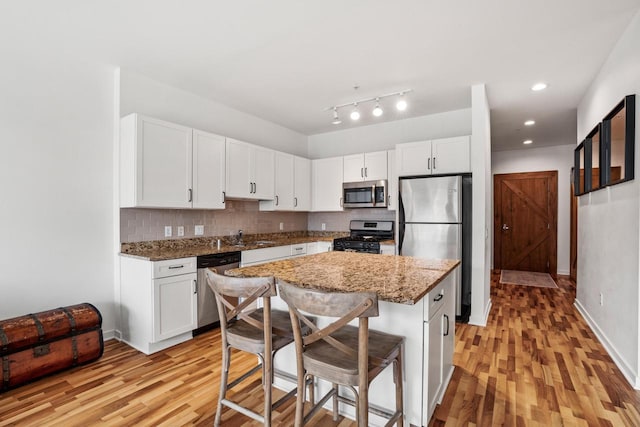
(158, 302)
(439, 332)
(387, 249)
(317, 247)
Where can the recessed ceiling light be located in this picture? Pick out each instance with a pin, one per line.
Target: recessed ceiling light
(538, 87)
(530, 123)
(527, 142)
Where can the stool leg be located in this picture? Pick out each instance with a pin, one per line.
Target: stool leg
(300, 398)
(310, 389)
(224, 377)
(397, 364)
(335, 402)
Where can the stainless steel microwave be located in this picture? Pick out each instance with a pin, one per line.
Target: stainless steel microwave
(365, 194)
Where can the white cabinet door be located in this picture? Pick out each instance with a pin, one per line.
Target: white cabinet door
(450, 155)
(283, 185)
(209, 166)
(263, 168)
(155, 163)
(302, 184)
(392, 201)
(387, 249)
(413, 158)
(433, 353)
(375, 166)
(365, 166)
(317, 247)
(250, 171)
(174, 306)
(326, 184)
(353, 168)
(448, 331)
(238, 173)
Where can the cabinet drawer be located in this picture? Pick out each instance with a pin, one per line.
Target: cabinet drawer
(300, 249)
(173, 267)
(435, 299)
(265, 254)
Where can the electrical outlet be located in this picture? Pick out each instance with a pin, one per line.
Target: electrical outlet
(281, 226)
(199, 230)
(180, 230)
(324, 226)
(601, 299)
(167, 231)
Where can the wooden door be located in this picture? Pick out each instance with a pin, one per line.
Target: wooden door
(525, 221)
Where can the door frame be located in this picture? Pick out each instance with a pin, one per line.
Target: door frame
(553, 212)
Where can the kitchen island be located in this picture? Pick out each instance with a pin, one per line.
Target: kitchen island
(416, 300)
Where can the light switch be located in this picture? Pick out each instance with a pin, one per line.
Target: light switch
(167, 231)
(199, 230)
(180, 230)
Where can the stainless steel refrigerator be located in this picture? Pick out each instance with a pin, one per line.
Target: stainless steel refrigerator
(434, 221)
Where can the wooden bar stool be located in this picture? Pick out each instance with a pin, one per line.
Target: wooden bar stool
(340, 353)
(259, 331)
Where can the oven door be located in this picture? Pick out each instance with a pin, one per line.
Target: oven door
(366, 194)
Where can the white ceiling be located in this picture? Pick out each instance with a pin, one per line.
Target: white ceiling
(287, 60)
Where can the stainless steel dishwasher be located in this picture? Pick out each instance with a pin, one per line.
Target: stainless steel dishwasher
(208, 317)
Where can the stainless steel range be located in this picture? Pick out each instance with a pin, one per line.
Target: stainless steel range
(366, 236)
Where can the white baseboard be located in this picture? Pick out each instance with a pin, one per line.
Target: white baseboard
(562, 272)
(628, 372)
(109, 334)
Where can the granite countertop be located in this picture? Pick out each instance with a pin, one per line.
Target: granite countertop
(160, 250)
(394, 278)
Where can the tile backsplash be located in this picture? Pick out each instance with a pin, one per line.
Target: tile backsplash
(143, 225)
(139, 225)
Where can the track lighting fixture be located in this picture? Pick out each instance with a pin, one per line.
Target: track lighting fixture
(401, 105)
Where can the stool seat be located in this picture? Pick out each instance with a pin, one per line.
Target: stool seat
(321, 359)
(246, 337)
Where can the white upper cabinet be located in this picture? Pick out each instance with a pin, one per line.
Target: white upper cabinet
(157, 161)
(209, 165)
(365, 166)
(392, 201)
(301, 184)
(326, 184)
(284, 173)
(292, 184)
(250, 171)
(439, 156)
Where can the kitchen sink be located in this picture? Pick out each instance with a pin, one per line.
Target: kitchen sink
(264, 242)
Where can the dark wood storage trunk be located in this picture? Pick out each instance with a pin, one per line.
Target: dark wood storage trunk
(40, 344)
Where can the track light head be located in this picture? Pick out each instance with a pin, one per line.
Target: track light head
(355, 114)
(336, 119)
(377, 111)
(401, 105)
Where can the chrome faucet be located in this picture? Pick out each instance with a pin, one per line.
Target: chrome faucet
(239, 237)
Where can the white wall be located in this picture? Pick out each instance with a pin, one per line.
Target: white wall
(56, 180)
(140, 94)
(558, 158)
(481, 200)
(608, 220)
(385, 136)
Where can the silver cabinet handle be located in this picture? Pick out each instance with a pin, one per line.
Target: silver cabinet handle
(295, 202)
(255, 188)
(174, 267)
(361, 172)
(190, 195)
(276, 200)
(195, 286)
(251, 188)
(434, 163)
(365, 172)
(429, 163)
(341, 202)
(224, 196)
(447, 333)
(438, 298)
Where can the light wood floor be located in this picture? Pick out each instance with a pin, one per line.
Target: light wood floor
(536, 363)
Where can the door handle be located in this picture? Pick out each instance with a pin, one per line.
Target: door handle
(365, 172)
(276, 200)
(434, 163)
(438, 298)
(295, 202)
(429, 164)
(505, 227)
(224, 196)
(361, 172)
(190, 195)
(195, 286)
